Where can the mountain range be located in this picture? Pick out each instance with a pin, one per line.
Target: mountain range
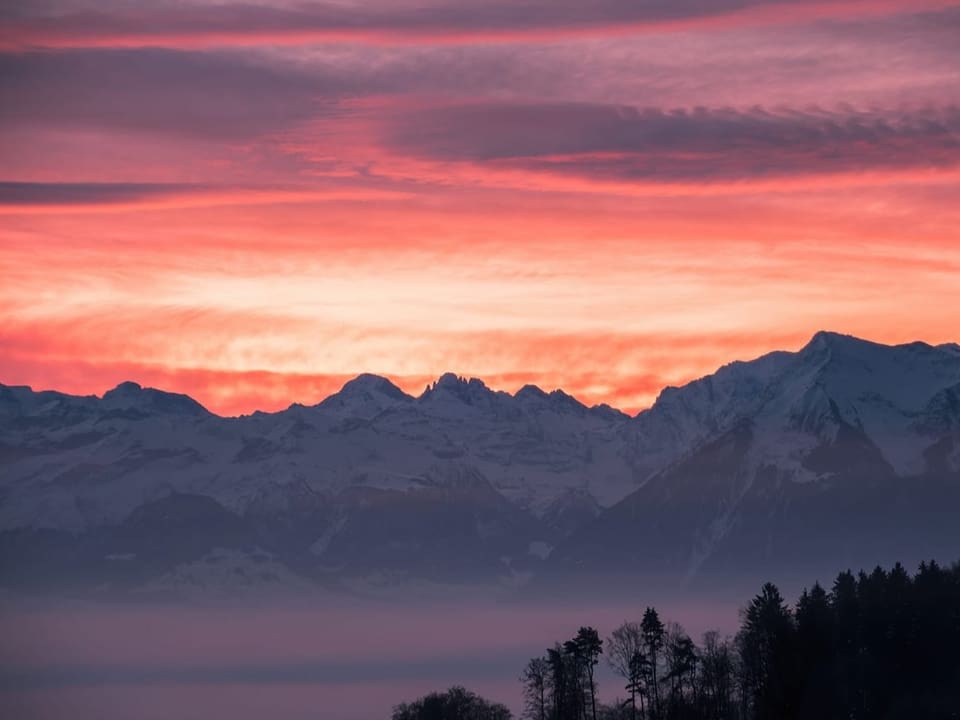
(846, 452)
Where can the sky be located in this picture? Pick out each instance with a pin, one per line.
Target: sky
(253, 202)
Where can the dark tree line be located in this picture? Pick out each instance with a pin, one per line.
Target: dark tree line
(562, 684)
(454, 704)
(883, 645)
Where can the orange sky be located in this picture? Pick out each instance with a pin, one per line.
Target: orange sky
(606, 204)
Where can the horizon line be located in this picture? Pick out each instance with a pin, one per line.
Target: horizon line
(466, 379)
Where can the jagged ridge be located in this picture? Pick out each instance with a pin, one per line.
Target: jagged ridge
(776, 437)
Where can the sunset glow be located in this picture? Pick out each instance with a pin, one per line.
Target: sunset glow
(253, 204)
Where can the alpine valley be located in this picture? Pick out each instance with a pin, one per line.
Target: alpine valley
(845, 453)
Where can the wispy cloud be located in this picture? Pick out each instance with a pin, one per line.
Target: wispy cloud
(253, 202)
(225, 96)
(626, 143)
(31, 198)
(70, 24)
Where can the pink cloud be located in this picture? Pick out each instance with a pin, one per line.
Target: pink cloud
(186, 26)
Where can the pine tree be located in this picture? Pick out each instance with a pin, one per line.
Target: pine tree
(815, 653)
(766, 646)
(653, 635)
(590, 647)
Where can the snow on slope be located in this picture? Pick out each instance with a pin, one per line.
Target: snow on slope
(844, 450)
(78, 462)
(798, 399)
(319, 475)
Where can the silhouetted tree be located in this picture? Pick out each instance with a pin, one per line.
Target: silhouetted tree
(766, 650)
(562, 685)
(590, 647)
(871, 592)
(577, 665)
(681, 656)
(637, 682)
(717, 666)
(625, 657)
(814, 647)
(454, 704)
(535, 679)
(900, 630)
(936, 669)
(653, 637)
(879, 646)
(846, 642)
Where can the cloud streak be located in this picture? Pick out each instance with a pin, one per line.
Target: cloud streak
(166, 24)
(73, 198)
(613, 196)
(607, 142)
(207, 95)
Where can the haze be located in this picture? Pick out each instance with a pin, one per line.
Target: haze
(352, 660)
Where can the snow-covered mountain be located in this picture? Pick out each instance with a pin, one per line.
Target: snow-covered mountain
(842, 449)
(844, 453)
(461, 484)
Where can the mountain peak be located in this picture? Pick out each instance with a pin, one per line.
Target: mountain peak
(457, 383)
(126, 388)
(841, 341)
(449, 379)
(365, 396)
(530, 392)
(449, 386)
(557, 400)
(368, 382)
(131, 396)
(828, 349)
(831, 339)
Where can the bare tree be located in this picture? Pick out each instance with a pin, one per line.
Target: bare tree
(626, 658)
(535, 679)
(717, 677)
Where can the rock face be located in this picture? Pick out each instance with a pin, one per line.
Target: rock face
(846, 452)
